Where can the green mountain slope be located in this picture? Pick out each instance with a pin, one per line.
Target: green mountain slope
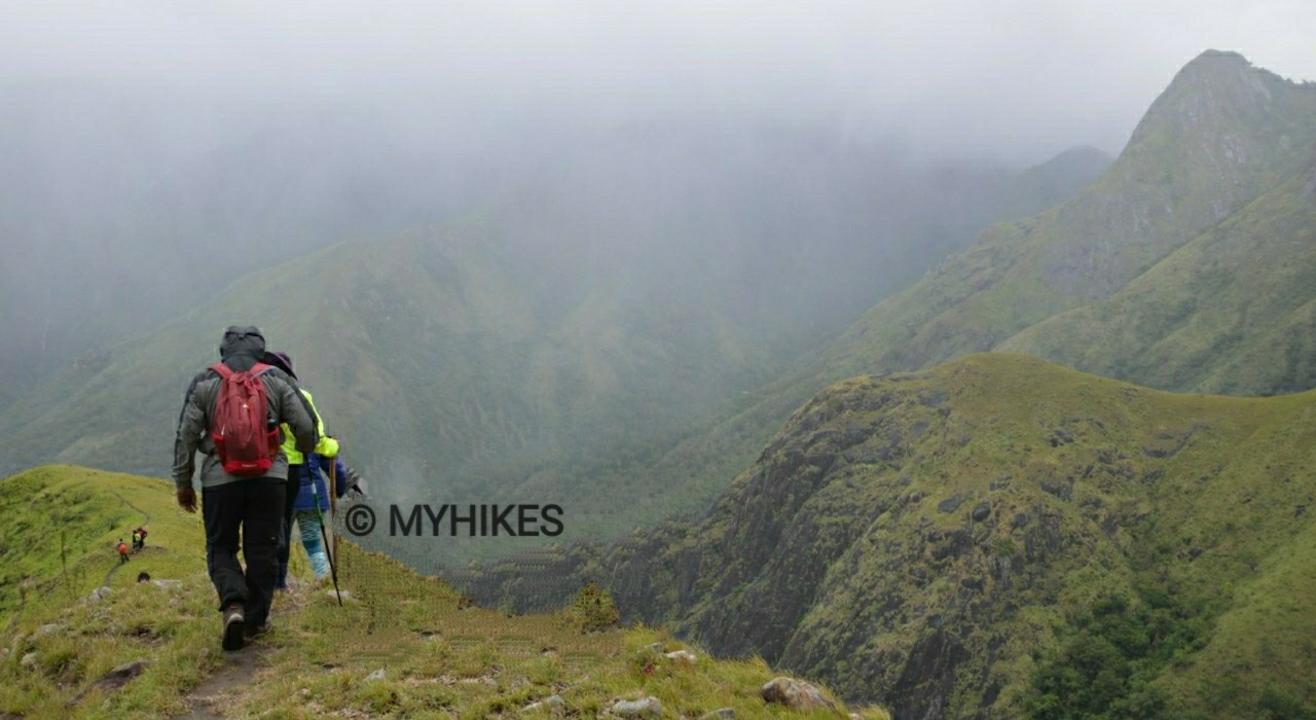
(1002, 537)
(445, 366)
(1231, 311)
(440, 658)
(465, 364)
(1221, 136)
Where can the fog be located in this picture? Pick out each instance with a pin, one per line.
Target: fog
(153, 151)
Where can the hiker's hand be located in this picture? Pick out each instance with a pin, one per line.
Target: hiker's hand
(187, 499)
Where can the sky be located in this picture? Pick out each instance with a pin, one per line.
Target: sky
(1011, 79)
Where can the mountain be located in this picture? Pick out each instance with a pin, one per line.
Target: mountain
(1232, 311)
(129, 212)
(1223, 134)
(1221, 159)
(83, 638)
(1000, 537)
(508, 356)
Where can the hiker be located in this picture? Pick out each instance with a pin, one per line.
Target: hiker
(305, 484)
(139, 539)
(123, 551)
(243, 474)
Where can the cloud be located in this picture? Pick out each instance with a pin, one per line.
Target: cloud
(1013, 79)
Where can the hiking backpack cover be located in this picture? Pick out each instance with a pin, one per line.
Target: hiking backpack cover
(246, 443)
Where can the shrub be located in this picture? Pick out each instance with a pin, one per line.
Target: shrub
(593, 610)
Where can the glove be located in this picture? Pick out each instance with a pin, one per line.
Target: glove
(187, 498)
(328, 447)
(355, 485)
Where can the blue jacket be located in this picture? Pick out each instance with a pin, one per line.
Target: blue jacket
(305, 498)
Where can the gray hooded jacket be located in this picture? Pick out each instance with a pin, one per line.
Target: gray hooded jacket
(241, 348)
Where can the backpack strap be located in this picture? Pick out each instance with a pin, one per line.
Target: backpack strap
(256, 370)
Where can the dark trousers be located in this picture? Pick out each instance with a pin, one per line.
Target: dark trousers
(254, 508)
(285, 540)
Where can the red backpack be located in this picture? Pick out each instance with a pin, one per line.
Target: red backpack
(245, 442)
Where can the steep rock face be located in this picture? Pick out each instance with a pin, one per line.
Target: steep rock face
(926, 540)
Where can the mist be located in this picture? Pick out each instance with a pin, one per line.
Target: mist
(155, 152)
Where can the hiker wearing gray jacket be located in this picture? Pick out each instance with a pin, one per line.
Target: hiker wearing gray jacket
(238, 511)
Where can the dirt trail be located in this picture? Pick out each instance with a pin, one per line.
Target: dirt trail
(146, 520)
(217, 691)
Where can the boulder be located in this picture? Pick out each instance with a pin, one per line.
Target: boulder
(794, 694)
(119, 676)
(376, 675)
(645, 707)
(28, 661)
(719, 714)
(552, 704)
(48, 629)
(682, 657)
(99, 594)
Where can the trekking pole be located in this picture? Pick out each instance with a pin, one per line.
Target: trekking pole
(333, 500)
(324, 534)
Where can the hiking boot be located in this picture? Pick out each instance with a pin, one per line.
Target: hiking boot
(255, 631)
(234, 627)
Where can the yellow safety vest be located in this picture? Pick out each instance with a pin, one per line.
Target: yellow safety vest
(326, 447)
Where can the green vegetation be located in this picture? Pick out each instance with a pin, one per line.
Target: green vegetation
(460, 365)
(1232, 311)
(593, 609)
(986, 537)
(440, 657)
(1185, 266)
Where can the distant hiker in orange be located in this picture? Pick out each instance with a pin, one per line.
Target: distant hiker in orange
(232, 413)
(123, 551)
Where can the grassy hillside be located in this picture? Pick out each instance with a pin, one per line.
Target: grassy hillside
(1002, 537)
(1219, 137)
(440, 658)
(470, 365)
(1232, 311)
(448, 367)
(1215, 169)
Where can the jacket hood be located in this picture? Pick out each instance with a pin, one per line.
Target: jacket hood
(242, 347)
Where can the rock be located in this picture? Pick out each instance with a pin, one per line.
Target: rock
(552, 704)
(1057, 487)
(168, 584)
(376, 675)
(119, 676)
(98, 594)
(682, 657)
(29, 660)
(645, 707)
(981, 512)
(794, 694)
(655, 647)
(950, 504)
(47, 629)
(719, 714)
